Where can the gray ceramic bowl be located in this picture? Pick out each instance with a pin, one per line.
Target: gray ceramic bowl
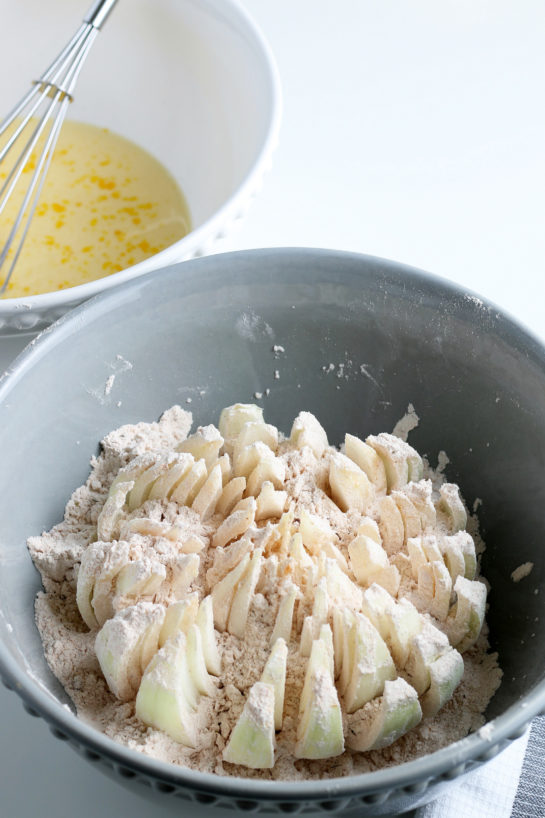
(204, 331)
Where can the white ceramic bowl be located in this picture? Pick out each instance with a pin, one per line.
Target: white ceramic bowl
(192, 81)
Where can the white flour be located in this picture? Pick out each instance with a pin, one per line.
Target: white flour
(69, 645)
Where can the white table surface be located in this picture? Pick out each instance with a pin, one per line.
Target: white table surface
(413, 131)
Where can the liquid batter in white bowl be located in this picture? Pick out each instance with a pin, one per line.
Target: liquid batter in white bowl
(193, 83)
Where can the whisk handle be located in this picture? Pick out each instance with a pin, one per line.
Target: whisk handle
(98, 12)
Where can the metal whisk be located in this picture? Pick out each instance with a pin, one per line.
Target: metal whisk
(52, 93)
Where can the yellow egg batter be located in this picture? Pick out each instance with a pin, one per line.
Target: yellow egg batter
(106, 205)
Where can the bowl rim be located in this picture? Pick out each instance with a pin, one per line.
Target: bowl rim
(458, 757)
(195, 242)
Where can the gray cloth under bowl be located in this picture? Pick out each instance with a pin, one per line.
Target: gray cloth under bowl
(350, 338)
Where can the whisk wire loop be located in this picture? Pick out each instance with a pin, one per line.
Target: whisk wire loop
(33, 194)
(53, 90)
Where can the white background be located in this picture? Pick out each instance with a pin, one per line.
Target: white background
(413, 131)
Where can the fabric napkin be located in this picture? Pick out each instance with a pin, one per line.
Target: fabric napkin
(512, 785)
